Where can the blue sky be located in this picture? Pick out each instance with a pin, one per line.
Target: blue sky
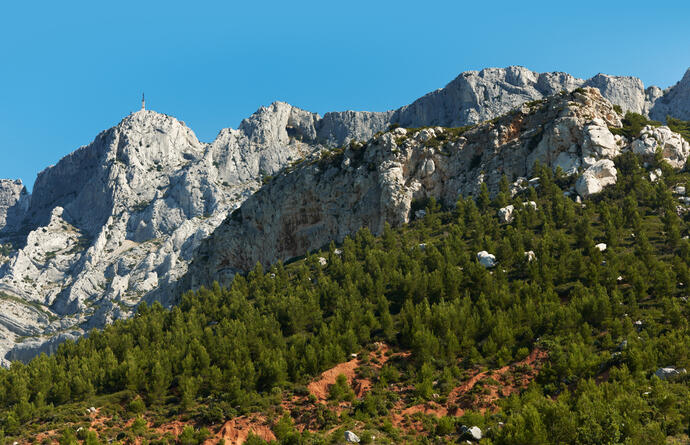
(71, 69)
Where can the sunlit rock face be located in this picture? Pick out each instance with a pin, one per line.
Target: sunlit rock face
(368, 186)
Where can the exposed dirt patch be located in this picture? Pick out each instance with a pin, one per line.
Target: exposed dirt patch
(236, 431)
(320, 387)
(480, 392)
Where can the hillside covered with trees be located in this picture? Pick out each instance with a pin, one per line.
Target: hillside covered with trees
(603, 319)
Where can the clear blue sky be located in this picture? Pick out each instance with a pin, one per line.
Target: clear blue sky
(73, 68)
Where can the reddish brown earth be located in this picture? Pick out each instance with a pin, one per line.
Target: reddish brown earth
(319, 388)
(481, 391)
(237, 430)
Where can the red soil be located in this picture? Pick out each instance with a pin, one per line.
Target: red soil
(481, 391)
(236, 431)
(495, 384)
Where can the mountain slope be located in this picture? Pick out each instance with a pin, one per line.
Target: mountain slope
(119, 220)
(563, 340)
(368, 186)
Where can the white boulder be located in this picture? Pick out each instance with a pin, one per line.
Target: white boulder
(351, 437)
(486, 259)
(665, 373)
(472, 433)
(655, 175)
(601, 247)
(505, 214)
(596, 177)
(530, 256)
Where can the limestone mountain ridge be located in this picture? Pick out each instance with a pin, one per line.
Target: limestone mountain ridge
(119, 220)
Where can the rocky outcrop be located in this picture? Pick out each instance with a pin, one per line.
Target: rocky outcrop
(674, 102)
(478, 96)
(14, 202)
(674, 148)
(627, 92)
(367, 186)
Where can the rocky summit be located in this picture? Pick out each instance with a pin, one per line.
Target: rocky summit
(120, 220)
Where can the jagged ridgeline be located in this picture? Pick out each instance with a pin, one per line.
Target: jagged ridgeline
(575, 332)
(119, 221)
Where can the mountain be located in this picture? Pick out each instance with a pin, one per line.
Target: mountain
(119, 220)
(369, 185)
(121, 217)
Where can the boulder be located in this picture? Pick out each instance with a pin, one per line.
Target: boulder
(599, 142)
(486, 259)
(601, 247)
(472, 433)
(530, 256)
(668, 372)
(679, 190)
(351, 437)
(596, 177)
(655, 175)
(505, 214)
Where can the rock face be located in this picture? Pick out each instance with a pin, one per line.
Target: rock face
(367, 186)
(14, 201)
(628, 92)
(675, 101)
(477, 96)
(119, 219)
